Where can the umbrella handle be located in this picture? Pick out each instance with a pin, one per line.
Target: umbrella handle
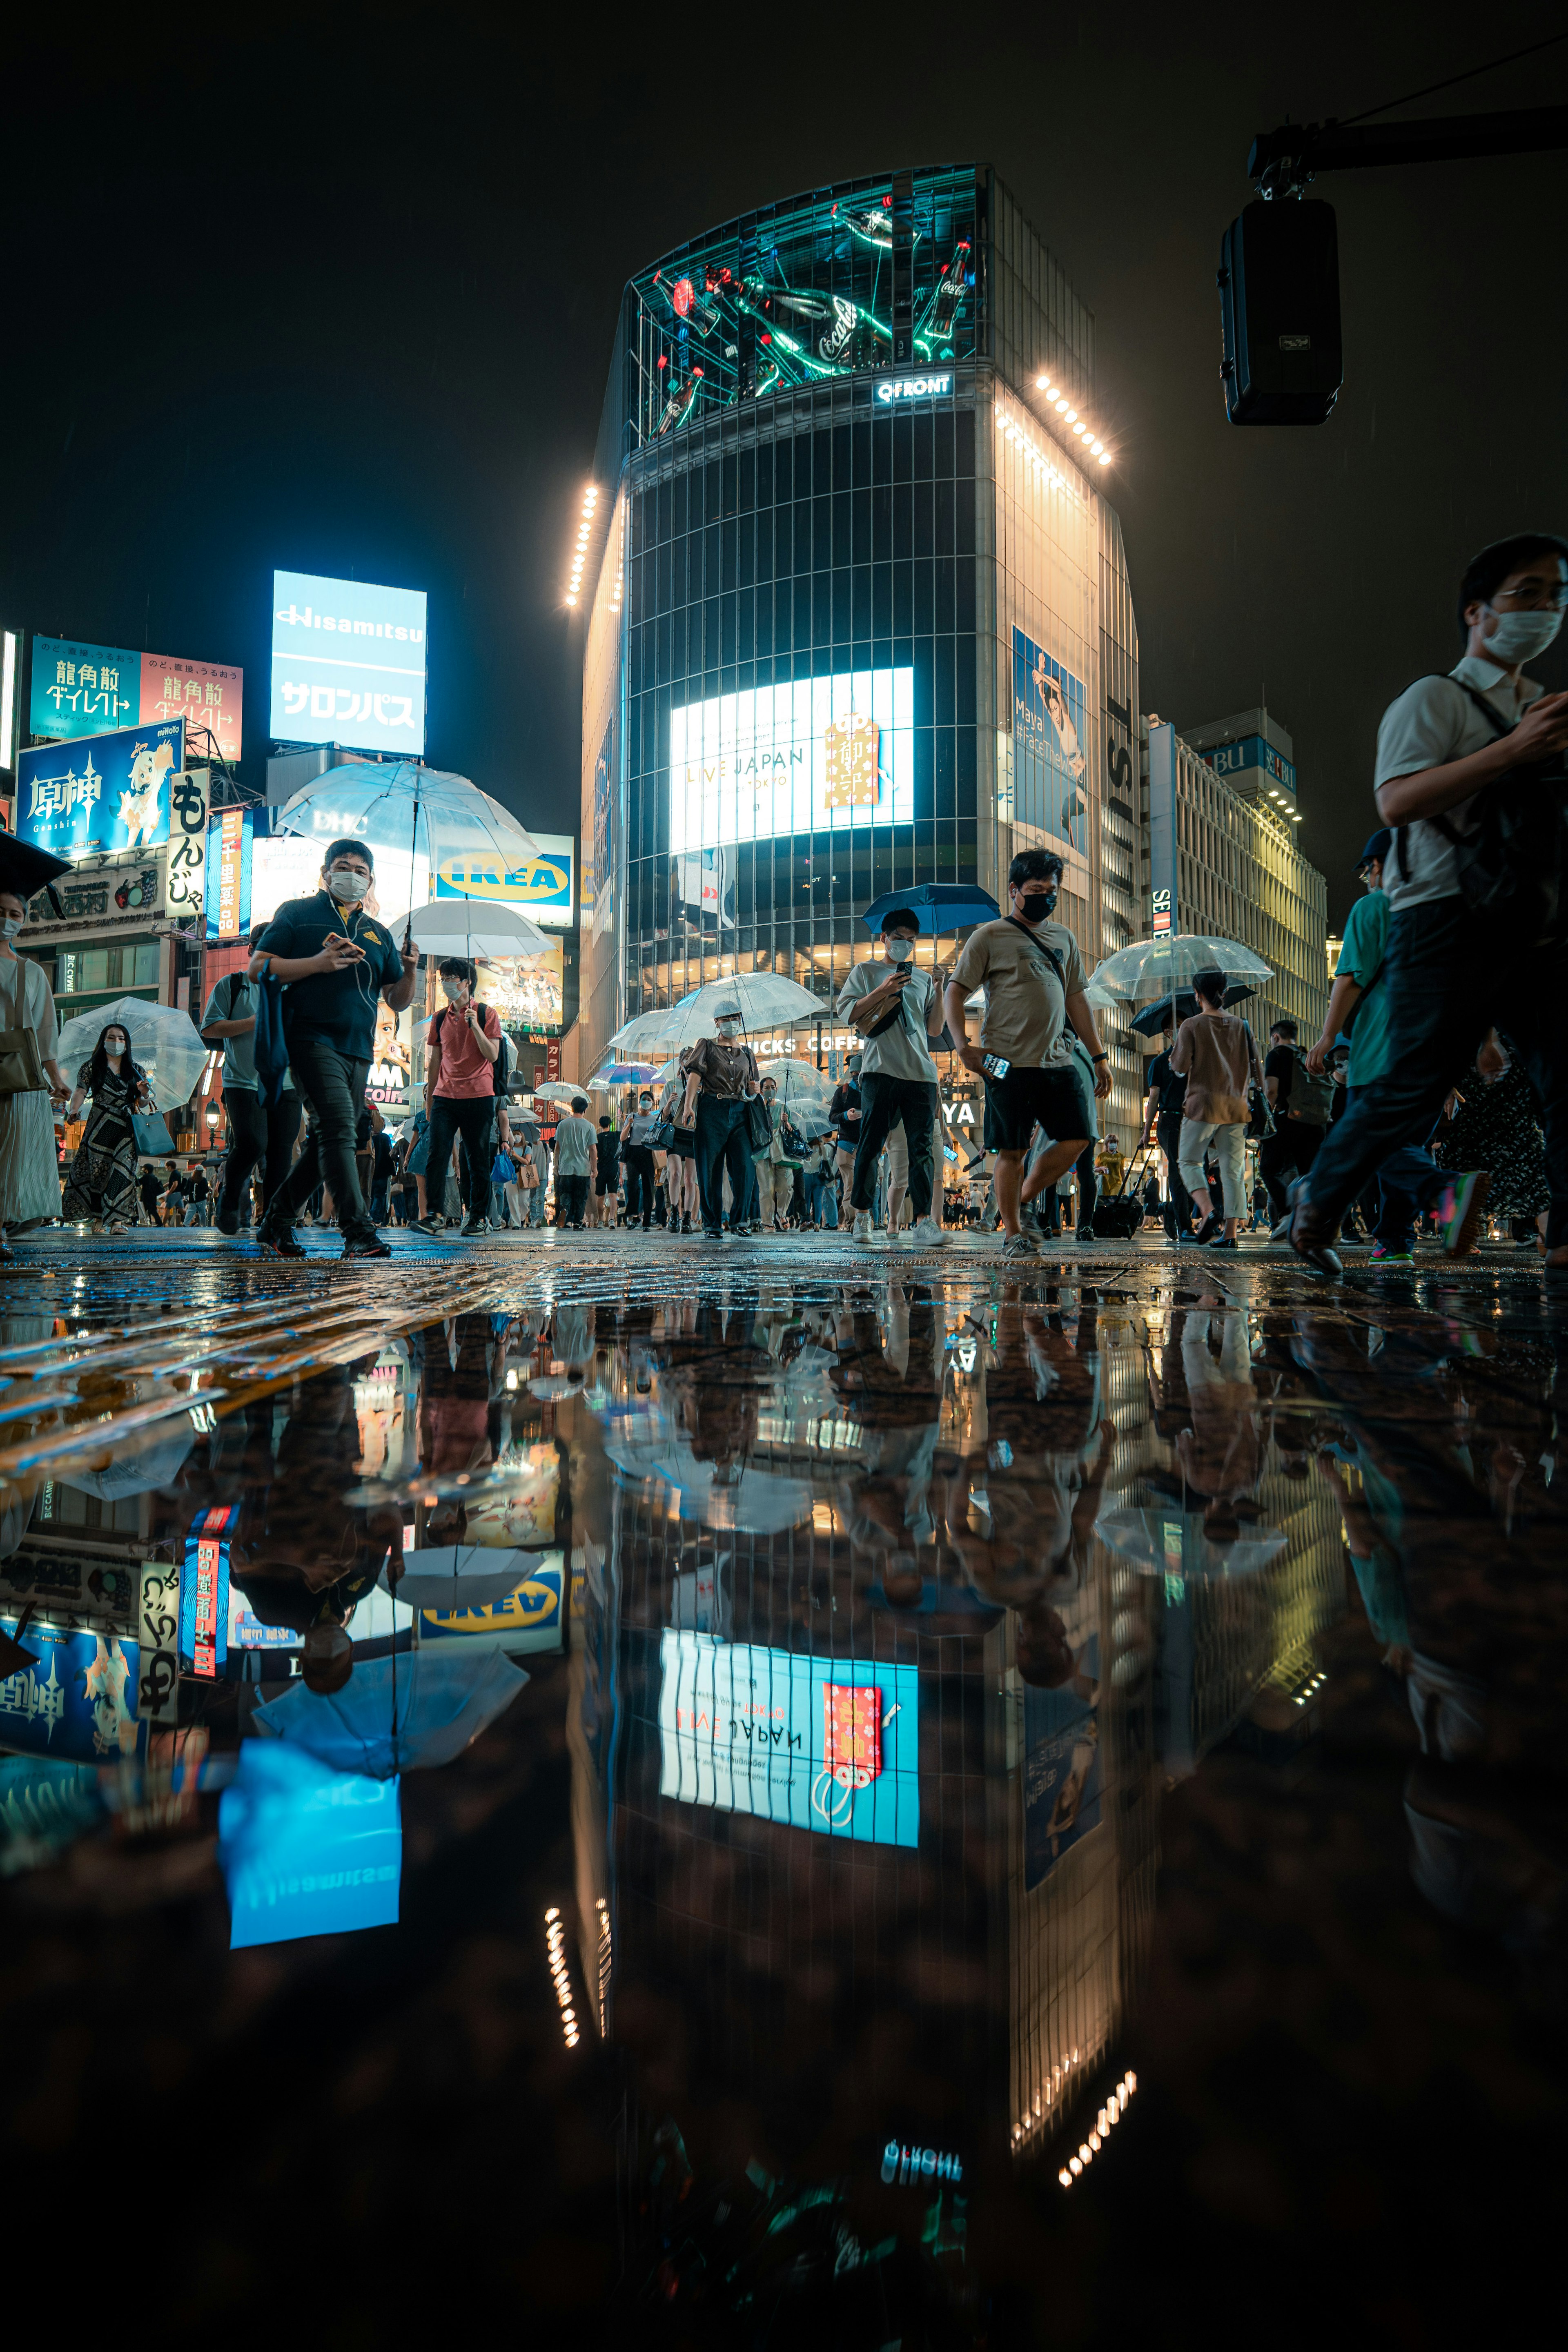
(413, 851)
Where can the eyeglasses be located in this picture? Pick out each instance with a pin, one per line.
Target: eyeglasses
(1537, 598)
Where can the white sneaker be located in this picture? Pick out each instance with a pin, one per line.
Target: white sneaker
(861, 1229)
(926, 1233)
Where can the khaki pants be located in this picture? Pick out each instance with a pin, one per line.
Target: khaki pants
(775, 1188)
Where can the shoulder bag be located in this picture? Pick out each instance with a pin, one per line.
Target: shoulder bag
(759, 1123)
(1510, 859)
(21, 1064)
(864, 1024)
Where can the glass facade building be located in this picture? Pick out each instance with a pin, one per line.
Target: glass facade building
(858, 614)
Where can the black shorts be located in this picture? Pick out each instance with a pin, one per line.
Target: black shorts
(1053, 1097)
(603, 1183)
(684, 1145)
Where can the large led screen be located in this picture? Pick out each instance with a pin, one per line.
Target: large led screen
(824, 1744)
(348, 664)
(821, 755)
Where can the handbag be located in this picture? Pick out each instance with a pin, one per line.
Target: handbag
(759, 1123)
(154, 1141)
(793, 1141)
(663, 1137)
(21, 1064)
(528, 1177)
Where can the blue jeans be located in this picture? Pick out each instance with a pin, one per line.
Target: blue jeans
(1407, 1182)
(723, 1143)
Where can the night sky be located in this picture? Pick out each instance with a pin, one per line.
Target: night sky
(337, 293)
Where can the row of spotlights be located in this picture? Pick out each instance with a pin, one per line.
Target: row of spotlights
(555, 1951)
(1110, 2113)
(1055, 398)
(590, 507)
(1278, 799)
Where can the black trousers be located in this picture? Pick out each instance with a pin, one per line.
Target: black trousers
(1451, 980)
(334, 1086)
(722, 1142)
(571, 1198)
(258, 1134)
(1289, 1152)
(473, 1116)
(885, 1101)
(1179, 1204)
(638, 1158)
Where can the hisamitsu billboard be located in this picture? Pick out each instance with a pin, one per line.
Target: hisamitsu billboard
(348, 664)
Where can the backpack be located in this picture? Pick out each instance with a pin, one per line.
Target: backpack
(1511, 861)
(1311, 1098)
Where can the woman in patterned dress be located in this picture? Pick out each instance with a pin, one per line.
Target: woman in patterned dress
(29, 1171)
(1495, 1125)
(103, 1184)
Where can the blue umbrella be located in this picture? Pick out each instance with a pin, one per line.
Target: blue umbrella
(941, 906)
(1153, 1017)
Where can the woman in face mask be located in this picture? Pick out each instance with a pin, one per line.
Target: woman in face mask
(29, 1174)
(102, 1182)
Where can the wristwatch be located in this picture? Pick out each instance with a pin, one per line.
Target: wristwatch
(1099, 1057)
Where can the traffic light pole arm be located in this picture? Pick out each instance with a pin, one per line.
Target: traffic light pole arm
(1283, 161)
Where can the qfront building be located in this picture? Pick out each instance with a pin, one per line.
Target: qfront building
(857, 608)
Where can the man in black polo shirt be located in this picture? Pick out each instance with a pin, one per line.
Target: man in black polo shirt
(333, 961)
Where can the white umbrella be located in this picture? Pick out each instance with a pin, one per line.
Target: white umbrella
(398, 804)
(442, 1703)
(1148, 968)
(765, 1000)
(474, 926)
(648, 1032)
(555, 1091)
(461, 1576)
(165, 1040)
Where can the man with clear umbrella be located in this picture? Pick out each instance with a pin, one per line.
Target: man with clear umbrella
(720, 1073)
(333, 961)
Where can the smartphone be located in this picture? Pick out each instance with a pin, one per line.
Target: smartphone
(994, 1067)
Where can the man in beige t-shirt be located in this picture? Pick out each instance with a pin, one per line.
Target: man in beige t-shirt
(1034, 983)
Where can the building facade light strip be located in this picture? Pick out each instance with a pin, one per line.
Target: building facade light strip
(1078, 425)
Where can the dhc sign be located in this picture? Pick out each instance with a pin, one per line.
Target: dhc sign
(911, 387)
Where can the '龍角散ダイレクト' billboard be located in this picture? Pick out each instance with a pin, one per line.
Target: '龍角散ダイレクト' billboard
(101, 793)
(820, 755)
(348, 664)
(80, 689)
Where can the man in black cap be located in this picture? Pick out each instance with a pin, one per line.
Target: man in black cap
(334, 961)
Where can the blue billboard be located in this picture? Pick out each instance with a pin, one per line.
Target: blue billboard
(304, 1850)
(1050, 758)
(1062, 1765)
(82, 689)
(76, 1698)
(824, 1744)
(543, 887)
(102, 792)
(348, 664)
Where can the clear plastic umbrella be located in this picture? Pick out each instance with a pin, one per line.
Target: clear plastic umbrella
(649, 1033)
(765, 1000)
(442, 1702)
(1151, 967)
(798, 1082)
(474, 926)
(165, 1040)
(398, 804)
(556, 1090)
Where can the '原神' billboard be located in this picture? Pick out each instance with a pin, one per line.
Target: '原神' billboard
(818, 755)
(1050, 759)
(80, 689)
(825, 1744)
(74, 1698)
(348, 664)
(102, 792)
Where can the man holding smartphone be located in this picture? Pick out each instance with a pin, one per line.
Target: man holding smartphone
(1034, 983)
(898, 1011)
(334, 961)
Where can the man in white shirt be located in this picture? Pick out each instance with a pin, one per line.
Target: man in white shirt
(898, 1075)
(1452, 974)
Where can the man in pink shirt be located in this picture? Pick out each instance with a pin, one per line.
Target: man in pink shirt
(460, 1056)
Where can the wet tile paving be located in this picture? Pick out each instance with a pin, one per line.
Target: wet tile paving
(783, 1791)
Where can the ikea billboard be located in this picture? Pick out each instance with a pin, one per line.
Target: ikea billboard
(348, 664)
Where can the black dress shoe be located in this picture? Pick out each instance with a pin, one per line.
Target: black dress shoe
(1211, 1226)
(1311, 1234)
(374, 1247)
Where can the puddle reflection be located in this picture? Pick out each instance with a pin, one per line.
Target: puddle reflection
(880, 1626)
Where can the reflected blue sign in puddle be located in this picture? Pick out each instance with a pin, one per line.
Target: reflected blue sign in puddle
(306, 1851)
(825, 1744)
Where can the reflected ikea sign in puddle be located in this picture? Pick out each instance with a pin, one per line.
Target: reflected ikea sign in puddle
(530, 1618)
(825, 1744)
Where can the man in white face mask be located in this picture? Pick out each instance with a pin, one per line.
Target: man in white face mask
(1454, 969)
(334, 961)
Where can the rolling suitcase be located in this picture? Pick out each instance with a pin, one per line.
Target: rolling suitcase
(1118, 1216)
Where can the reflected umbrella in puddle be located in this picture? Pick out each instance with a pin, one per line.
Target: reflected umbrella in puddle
(399, 1714)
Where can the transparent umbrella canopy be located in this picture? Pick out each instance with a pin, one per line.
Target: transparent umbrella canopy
(556, 1090)
(397, 804)
(474, 926)
(1151, 968)
(650, 1033)
(765, 1000)
(165, 1040)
